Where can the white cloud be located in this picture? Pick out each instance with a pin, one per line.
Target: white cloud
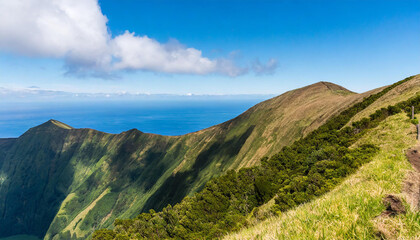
(72, 29)
(76, 31)
(136, 52)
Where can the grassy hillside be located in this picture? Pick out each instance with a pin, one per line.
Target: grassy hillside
(283, 119)
(350, 211)
(398, 94)
(65, 183)
(307, 169)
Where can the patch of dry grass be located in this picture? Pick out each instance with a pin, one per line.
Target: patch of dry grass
(60, 124)
(73, 226)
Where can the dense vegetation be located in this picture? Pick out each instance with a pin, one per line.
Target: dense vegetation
(298, 173)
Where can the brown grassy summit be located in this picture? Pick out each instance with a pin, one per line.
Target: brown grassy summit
(50, 125)
(285, 118)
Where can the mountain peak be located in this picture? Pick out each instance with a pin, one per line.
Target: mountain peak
(54, 123)
(319, 90)
(328, 86)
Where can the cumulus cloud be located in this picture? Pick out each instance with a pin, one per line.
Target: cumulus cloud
(76, 31)
(135, 52)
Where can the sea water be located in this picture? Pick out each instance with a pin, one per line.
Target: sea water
(165, 117)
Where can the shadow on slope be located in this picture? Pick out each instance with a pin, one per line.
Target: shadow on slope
(177, 186)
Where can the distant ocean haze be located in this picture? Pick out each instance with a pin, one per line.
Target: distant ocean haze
(165, 117)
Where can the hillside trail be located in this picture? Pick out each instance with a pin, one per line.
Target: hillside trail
(413, 155)
(412, 182)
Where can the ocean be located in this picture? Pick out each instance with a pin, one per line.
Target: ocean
(165, 117)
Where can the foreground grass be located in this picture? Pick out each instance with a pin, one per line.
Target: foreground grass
(350, 210)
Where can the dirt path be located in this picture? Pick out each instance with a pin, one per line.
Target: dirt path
(412, 182)
(413, 155)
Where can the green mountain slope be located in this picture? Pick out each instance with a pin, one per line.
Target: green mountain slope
(304, 171)
(61, 182)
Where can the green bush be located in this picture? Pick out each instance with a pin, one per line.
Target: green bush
(104, 234)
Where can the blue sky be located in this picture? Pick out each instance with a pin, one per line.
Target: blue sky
(208, 47)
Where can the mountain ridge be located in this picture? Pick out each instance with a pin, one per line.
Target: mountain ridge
(307, 169)
(315, 86)
(79, 167)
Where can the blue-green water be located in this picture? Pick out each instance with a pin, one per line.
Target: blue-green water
(164, 117)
